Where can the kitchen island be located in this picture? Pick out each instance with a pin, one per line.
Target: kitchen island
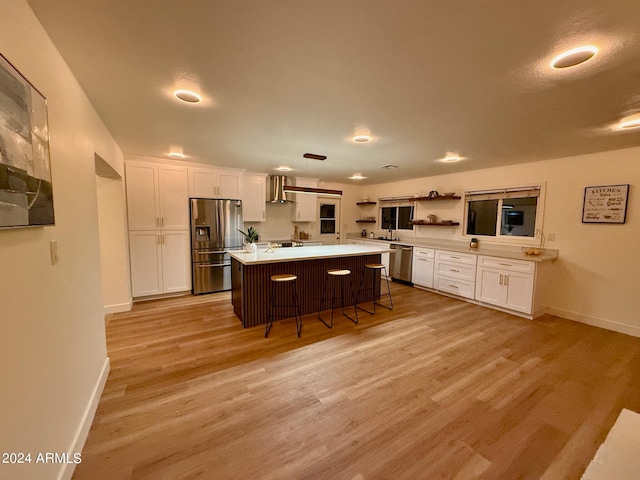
(251, 275)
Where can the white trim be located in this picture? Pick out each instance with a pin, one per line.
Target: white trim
(118, 307)
(66, 471)
(595, 321)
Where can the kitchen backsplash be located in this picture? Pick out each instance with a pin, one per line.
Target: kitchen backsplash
(279, 226)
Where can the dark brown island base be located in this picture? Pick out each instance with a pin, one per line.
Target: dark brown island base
(251, 276)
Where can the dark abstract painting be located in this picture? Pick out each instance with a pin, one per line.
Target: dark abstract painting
(26, 197)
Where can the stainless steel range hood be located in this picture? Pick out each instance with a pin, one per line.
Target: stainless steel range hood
(276, 189)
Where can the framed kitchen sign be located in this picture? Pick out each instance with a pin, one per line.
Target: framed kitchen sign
(605, 204)
(26, 197)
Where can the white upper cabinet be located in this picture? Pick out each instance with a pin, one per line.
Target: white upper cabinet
(215, 183)
(157, 196)
(254, 206)
(305, 205)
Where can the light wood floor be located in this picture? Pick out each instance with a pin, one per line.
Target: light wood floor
(436, 388)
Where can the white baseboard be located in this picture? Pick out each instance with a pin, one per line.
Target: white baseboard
(119, 307)
(595, 321)
(66, 472)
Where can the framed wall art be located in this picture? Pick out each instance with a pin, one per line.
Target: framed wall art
(26, 197)
(605, 204)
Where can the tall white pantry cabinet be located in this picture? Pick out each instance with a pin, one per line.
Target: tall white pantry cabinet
(158, 215)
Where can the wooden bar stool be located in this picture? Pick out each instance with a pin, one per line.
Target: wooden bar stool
(337, 280)
(376, 270)
(283, 310)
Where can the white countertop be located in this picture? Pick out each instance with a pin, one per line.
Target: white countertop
(294, 254)
(504, 251)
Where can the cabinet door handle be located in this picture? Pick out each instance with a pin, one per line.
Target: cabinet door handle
(457, 258)
(506, 264)
(501, 279)
(454, 286)
(454, 270)
(157, 221)
(506, 280)
(162, 221)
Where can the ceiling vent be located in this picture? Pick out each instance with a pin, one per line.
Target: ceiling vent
(388, 166)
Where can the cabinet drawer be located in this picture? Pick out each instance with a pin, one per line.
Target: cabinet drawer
(458, 287)
(506, 264)
(468, 258)
(424, 252)
(456, 270)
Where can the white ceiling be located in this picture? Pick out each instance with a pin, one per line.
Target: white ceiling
(285, 77)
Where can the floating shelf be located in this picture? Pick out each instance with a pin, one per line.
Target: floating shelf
(366, 203)
(365, 221)
(439, 197)
(437, 224)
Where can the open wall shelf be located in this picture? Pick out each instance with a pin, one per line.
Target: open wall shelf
(432, 199)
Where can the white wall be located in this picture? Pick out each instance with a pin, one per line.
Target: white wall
(597, 270)
(114, 252)
(52, 347)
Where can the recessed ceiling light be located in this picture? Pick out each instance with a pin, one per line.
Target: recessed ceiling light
(188, 96)
(284, 169)
(632, 121)
(451, 157)
(357, 176)
(176, 152)
(362, 138)
(574, 57)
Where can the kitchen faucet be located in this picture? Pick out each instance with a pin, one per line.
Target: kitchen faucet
(390, 232)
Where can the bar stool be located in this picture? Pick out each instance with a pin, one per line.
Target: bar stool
(283, 310)
(337, 278)
(374, 268)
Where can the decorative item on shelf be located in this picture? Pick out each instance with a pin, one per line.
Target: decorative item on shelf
(432, 218)
(433, 194)
(448, 194)
(446, 222)
(251, 236)
(473, 243)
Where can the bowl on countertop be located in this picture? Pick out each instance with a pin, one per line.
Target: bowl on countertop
(532, 250)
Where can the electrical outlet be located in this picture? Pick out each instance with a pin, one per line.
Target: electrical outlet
(53, 246)
(551, 237)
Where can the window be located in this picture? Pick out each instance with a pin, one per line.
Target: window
(512, 212)
(396, 217)
(327, 218)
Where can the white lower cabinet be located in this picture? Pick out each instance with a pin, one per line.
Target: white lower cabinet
(423, 261)
(505, 283)
(160, 262)
(455, 273)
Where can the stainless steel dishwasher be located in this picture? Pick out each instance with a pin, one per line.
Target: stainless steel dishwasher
(400, 262)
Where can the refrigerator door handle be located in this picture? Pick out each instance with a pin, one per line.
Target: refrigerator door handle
(207, 252)
(207, 265)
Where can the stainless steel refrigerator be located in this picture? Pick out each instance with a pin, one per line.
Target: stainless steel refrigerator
(214, 231)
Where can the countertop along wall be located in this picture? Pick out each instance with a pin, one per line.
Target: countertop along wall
(53, 359)
(596, 273)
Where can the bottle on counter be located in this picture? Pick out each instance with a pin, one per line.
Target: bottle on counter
(473, 243)
(364, 233)
(370, 234)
